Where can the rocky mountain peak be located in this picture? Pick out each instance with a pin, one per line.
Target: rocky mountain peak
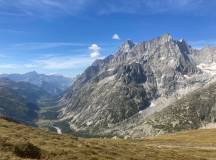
(119, 87)
(165, 38)
(164, 46)
(127, 46)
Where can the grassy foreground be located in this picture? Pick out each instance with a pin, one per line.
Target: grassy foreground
(20, 142)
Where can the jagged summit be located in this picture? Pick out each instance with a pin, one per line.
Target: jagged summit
(127, 46)
(166, 37)
(138, 77)
(130, 46)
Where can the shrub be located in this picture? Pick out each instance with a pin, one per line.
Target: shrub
(27, 150)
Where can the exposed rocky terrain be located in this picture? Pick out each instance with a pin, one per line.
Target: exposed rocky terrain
(192, 111)
(141, 90)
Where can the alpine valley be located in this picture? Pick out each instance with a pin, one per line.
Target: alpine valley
(24, 96)
(152, 88)
(145, 89)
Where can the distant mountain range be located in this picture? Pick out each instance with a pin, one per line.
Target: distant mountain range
(23, 95)
(141, 90)
(19, 100)
(53, 84)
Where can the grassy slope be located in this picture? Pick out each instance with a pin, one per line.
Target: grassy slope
(193, 145)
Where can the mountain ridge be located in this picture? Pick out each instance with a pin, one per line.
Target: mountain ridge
(19, 100)
(130, 82)
(54, 84)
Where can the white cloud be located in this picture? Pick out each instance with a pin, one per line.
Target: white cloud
(8, 66)
(116, 37)
(46, 45)
(61, 63)
(52, 63)
(95, 51)
(64, 65)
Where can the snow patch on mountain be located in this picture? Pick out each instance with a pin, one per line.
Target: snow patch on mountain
(208, 68)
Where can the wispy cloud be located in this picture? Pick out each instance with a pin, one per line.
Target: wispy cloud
(42, 7)
(61, 63)
(8, 66)
(74, 7)
(63, 57)
(156, 6)
(50, 64)
(46, 45)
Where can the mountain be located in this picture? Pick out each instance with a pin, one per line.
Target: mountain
(194, 110)
(19, 100)
(19, 142)
(54, 84)
(138, 81)
(205, 59)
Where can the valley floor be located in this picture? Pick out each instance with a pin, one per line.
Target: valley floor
(18, 142)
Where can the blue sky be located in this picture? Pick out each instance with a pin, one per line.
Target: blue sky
(65, 36)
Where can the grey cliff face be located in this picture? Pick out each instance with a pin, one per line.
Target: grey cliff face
(195, 110)
(205, 55)
(123, 85)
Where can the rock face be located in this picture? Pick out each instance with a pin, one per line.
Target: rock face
(139, 80)
(205, 55)
(195, 110)
(206, 60)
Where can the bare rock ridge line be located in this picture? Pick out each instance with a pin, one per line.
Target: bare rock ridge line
(128, 92)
